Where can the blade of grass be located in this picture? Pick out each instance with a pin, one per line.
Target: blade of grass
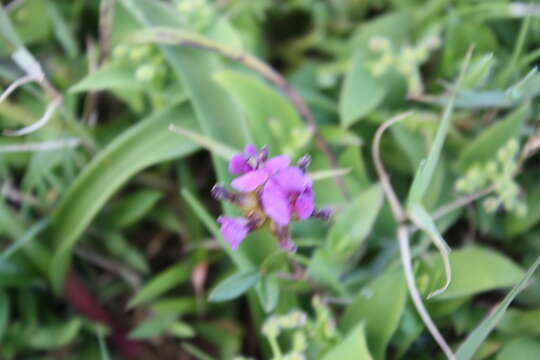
(146, 143)
(471, 344)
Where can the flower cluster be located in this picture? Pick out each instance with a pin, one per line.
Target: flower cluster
(270, 192)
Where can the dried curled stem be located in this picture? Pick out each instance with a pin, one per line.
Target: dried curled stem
(403, 236)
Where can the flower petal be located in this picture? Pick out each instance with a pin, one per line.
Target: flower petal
(292, 180)
(275, 203)
(234, 230)
(250, 181)
(277, 163)
(239, 165)
(304, 205)
(250, 151)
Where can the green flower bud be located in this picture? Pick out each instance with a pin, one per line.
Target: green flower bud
(145, 73)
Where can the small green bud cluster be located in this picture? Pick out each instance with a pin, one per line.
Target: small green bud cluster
(277, 324)
(498, 173)
(149, 64)
(406, 61)
(324, 326)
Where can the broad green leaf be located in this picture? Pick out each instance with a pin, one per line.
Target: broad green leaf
(379, 306)
(165, 281)
(337, 135)
(485, 146)
(477, 337)
(520, 348)
(146, 143)
(48, 337)
(520, 322)
(152, 327)
(353, 347)
(215, 147)
(181, 329)
(268, 291)
(133, 207)
(271, 118)
(353, 224)
(474, 270)
(234, 286)
(108, 77)
(361, 92)
(175, 305)
(4, 312)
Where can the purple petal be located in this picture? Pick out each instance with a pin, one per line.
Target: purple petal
(292, 180)
(250, 181)
(277, 163)
(250, 151)
(239, 165)
(234, 230)
(275, 203)
(304, 205)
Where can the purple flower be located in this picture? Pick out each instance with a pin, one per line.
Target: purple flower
(288, 193)
(234, 230)
(270, 192)
(258, 175)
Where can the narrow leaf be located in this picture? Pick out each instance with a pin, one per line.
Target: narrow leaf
(234, 286)
(477, 337)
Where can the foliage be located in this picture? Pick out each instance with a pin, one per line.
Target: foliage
(127, 112)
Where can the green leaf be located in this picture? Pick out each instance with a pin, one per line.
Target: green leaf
(477, 337)
(268, 291)
(152, 327)
(479, 71)
(48, 337)
(361, 92)
(146, 143)
(516, 225)
(520, 322)
(165, 281)
(23, 240)
(520, 348)
(474, 270)
(61, 30)
(425, 172)
(133, 207)
(215, 147)
(4, 313)
(485, 146)
(337, 135)
(378, 306)
(234, 286)
(181, 329)
(354, 223)
(353, 347)
(108, 77)
(271, 118)
(423, 220)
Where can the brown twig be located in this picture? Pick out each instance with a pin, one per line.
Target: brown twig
(175, 37)
(403, 237)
